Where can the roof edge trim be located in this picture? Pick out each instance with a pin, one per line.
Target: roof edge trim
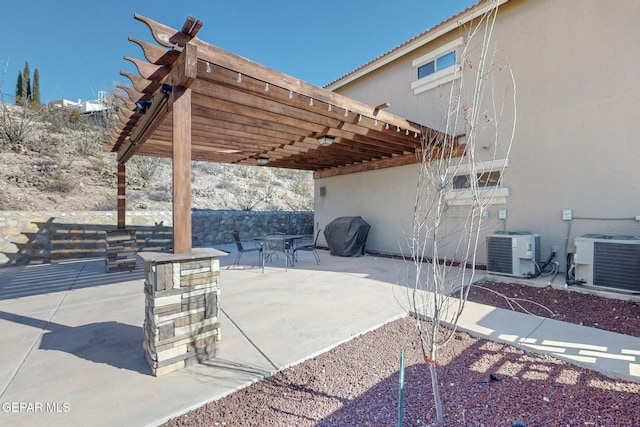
(444, 27)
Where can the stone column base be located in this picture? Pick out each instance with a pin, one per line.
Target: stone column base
(182, 299)
(121, 247)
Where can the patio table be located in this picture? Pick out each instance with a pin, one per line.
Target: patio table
(289, 239)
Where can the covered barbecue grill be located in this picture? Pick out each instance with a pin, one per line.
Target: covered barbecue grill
(347, 236)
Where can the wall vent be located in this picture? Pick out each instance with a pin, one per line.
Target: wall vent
(608, 261)
(513, 253)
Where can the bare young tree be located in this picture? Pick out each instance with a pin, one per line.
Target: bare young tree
(446, 230)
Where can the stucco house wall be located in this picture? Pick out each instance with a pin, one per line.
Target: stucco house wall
(576, 146)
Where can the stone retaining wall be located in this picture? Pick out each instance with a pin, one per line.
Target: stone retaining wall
(42, 237)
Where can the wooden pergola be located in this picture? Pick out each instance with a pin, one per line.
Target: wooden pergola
(195, 101)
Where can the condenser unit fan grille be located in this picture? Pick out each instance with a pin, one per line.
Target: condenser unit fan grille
(616, 265)
(500, 256)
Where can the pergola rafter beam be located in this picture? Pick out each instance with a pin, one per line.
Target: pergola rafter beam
(254, 95)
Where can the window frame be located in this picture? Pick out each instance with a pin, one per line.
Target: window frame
(439, 76)
(495, 194)
(483, 179)
(435, 64)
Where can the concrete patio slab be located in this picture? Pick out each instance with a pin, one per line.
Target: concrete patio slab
(71, 335)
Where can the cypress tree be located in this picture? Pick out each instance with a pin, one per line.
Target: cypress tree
(26, 82)
(19, 96)
(36, 86)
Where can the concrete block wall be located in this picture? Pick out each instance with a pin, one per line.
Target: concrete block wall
(42, 237)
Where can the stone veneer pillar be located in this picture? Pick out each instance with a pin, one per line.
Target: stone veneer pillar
(121, 248)
(182, 297)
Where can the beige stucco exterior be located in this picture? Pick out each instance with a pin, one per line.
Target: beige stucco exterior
(576, 145)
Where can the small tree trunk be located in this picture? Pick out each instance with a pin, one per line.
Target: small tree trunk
(442, 233)
(436, 393)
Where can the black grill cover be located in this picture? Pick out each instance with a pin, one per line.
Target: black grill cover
(347, 235)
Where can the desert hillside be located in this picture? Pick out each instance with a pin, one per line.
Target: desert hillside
(56, 160)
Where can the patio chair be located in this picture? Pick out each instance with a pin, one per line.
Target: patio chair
(273, 245)
(308, 247)
(242, 249)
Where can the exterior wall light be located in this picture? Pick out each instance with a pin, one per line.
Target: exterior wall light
(262, 160)
(325, 141)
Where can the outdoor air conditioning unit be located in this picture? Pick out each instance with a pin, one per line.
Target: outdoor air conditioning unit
(608, 261)
(513, 253)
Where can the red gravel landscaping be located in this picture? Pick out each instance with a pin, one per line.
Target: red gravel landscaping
(482, 383)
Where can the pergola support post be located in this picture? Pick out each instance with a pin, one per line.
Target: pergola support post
(181, 170)
(120, 244)
(122, 197)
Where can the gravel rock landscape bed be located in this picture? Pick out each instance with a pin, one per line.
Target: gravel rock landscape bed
(482, 383)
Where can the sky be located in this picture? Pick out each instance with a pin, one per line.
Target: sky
(78, 45)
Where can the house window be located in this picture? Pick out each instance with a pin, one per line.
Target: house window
(489, 179)
(461, 181)
(446, 60)
(437, 67)
(488, 183)
(485, 179)
(440, 63)
(426, 69)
